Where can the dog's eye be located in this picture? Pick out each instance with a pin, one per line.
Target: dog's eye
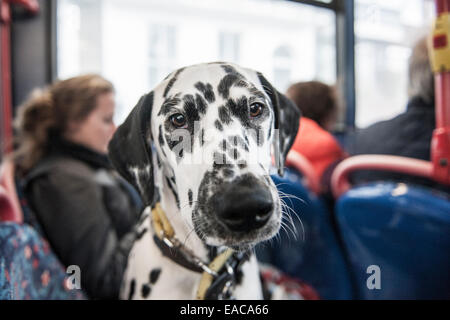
(256, 109)
(178, 120)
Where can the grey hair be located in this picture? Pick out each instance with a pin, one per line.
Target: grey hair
(421, 77)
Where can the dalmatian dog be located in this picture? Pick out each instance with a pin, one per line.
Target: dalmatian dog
(201, 145)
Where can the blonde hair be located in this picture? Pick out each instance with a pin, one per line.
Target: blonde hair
(421, 78)
(48, 112)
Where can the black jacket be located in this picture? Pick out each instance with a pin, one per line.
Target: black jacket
(86, 212)
(407, 135)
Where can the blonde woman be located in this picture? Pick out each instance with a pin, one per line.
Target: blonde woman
(84, 209)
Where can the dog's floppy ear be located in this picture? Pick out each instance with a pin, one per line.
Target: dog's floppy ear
(130, 149)
(287, 119)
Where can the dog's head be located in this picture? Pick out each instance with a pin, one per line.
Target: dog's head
(210, 129)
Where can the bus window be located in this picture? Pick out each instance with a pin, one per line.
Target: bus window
(137, 43)
(385, 32)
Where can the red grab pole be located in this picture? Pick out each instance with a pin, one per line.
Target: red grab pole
(5, 67)
(440, 58)
(5, 61)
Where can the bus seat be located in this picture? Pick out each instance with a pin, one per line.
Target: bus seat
(405, 231)
(315, 256)
(28, 268)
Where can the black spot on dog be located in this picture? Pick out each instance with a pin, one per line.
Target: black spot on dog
(175, 194)
(206, 90)
(226, 83)
(223, 145)
(169, 103)
(231, 70)
(160, 136)
(154, 275)
(239, 109)
(224, 115)
(201, 104)
(218, 125)
(190, 197)
(190, 108)
(259, 137)
(132, 289)
(233, 153)
(202, 137)
(233, 140)
(242, 165)
(172, 82)
(172, 142)
(192, 115)
(145, 290)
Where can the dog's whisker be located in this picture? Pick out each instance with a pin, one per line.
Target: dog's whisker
(283, 228)
(290, 210)
(284, 194)
(286, 222)
(291, 196)
(288, 228)
(292, 221)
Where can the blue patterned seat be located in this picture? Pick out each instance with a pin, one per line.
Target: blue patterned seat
(28, 268)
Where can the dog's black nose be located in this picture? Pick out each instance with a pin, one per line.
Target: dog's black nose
(243, 206)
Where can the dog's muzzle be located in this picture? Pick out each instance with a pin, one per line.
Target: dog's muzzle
(243, 205)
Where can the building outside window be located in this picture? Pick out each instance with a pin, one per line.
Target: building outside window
(282, 63)
(385, 33)
(162, 52)
(139, 42)
(229, 46)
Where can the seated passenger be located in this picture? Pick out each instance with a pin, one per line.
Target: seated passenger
(86, 211)
(318, 104)
(408, 134)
